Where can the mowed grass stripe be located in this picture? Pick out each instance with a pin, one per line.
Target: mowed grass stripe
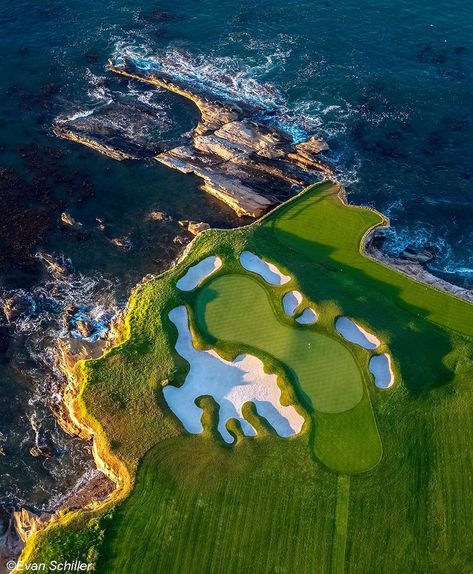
(257, 517)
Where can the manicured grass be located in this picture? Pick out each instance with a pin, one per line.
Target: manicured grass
(217, 512)
(267, 504)
(238, 309)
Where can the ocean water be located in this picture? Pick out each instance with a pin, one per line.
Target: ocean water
(388, 84)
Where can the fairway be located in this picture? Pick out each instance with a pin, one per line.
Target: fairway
(213, 512)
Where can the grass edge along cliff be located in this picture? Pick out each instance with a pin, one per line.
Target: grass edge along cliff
(192, 503)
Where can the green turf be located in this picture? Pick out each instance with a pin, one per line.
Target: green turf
(212, 513)
(237, 309)
(268, 504)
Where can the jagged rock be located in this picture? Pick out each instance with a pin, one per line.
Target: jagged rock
(62, 132)
(247, 164)
(19, 304)
(67, 219)
(421, 256)
(158, 216)
(85, 328)
(196, 227)
(313, 146)
(55, 267)
(180, 240)
(10, 543)
(27, 522)
(228, 151)
(41, 451)
(121, 242)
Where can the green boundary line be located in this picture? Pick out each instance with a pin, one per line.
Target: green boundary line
(341, 525)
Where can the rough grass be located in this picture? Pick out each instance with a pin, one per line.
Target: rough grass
(198, 506)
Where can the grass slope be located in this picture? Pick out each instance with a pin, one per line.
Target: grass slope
(267, 505)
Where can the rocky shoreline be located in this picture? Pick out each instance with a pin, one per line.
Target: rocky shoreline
(111, 480)
(243, 161)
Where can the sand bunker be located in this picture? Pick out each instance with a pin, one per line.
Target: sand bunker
(380, 367)
(269, 272)
(197, 273)
(290, 302)
(307, 317)
(352, 332)
(231, 384)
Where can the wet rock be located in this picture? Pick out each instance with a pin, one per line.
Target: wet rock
(196, 227)
(41, 451)
(421, 256)
(121, 242)
(67, 219)
(16, 306)
(158, 216)
(180, 240)
(28, 522)
(57, 267)
(84, 328)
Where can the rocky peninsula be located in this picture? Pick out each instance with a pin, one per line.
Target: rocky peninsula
(242, 160)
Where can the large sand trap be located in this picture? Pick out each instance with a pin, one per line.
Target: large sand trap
(352, 332)
(197, 273)
(307, 317)
(269, 272)
(380, 367)
(290, 302)
(231, 384)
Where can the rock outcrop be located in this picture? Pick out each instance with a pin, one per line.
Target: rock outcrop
(242, 160)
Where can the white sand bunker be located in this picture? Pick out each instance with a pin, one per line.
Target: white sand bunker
(231, 384)
(197, 273)
(352, 332)
(269, 272)
(290, 302)
(380, 367)
(307, 317)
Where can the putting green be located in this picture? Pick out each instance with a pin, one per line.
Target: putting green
(237, 308)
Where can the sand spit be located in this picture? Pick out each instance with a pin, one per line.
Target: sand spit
(268, 271)
(352, 332)
(381, 369)
(231, 384)
(197, 273)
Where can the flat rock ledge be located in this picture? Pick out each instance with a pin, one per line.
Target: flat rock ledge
(242, 161)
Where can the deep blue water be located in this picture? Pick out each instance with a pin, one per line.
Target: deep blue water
(388, 84)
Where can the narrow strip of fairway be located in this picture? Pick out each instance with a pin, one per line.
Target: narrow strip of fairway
(341, 525)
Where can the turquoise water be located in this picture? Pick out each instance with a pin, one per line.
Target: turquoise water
(388, 84)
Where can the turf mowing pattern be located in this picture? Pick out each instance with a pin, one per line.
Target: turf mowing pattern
(269, 504)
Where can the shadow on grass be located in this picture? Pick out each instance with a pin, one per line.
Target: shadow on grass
(418, 345)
